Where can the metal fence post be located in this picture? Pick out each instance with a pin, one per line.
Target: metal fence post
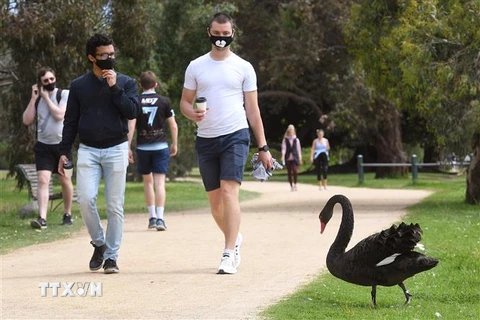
(360, 168)
(414, 168)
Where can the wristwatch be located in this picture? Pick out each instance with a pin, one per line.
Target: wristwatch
(264, 148)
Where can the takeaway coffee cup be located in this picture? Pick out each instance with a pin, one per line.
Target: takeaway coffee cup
(68, 169)
(201, 103)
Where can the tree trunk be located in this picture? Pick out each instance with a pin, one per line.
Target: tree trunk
(430, 154)
(472, 194)
(388, 141)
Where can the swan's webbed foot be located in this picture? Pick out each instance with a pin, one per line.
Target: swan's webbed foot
(374, 296)
(407, 294)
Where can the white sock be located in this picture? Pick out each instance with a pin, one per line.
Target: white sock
(228, 252)
(160, 212)
(151, 211)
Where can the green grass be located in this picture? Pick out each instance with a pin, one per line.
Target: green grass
(425, 181)
(16, 233)
(452, 289)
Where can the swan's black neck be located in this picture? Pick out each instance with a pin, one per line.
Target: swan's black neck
(346, 226)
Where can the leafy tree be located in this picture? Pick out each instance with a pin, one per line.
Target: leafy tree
(298, 50)
(370, 41)
(132, 23)
(424, 57)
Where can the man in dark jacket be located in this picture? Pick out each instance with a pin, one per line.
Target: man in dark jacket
(98, 109)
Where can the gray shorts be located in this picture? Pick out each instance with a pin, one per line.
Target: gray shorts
(222, 158)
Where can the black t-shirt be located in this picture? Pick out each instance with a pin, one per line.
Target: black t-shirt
(151, 122)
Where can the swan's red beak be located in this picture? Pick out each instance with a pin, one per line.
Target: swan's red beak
(322, 227)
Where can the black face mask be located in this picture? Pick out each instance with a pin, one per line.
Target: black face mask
(221, 42)
(50, 86)
(106, 64)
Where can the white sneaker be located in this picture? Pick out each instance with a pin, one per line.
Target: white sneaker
(227, 265)
(238, 244)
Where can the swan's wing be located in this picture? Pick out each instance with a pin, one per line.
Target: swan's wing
(385, 245)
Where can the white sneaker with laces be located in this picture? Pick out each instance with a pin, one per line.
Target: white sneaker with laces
(238, 244)
(227, 265)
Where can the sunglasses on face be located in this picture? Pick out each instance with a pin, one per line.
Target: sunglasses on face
(105, 56)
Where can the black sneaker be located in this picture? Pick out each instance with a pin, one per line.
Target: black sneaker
(67, 219)
(152, 223)
(110, 266)
(40, 223)
(161, 226)
(96, 261)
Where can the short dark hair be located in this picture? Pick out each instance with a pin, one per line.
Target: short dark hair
(43, 71)
(221, 17)
(148, 79)
(98, 40)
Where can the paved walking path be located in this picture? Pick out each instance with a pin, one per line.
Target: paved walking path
(171, 275)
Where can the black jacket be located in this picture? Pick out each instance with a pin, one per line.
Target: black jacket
(292, 149)
(97, 113)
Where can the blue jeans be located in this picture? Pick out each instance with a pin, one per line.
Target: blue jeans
(92, 164)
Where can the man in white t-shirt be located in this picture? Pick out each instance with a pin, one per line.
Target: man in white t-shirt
(229, 84)
(48, 105)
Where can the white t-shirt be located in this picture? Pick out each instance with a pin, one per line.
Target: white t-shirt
(223, 84)
(49, 131)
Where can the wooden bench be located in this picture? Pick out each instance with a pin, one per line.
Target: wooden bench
(28, 175)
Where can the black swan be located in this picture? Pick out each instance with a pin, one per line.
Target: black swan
(385, 258)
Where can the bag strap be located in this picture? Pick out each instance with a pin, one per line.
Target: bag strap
(58, 96)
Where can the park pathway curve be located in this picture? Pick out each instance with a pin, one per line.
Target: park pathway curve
(171, 275)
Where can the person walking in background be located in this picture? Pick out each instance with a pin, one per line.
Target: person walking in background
(291, 155)
(153, 154)
(229, 84)
(47, 105)
(319, 156)
(99, 106)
